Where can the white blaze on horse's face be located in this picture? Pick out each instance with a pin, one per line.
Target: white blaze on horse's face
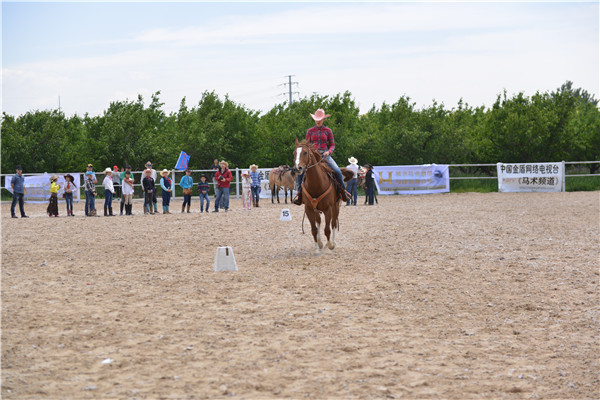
(298, 152)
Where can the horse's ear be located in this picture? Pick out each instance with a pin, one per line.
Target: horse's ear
(296, 142)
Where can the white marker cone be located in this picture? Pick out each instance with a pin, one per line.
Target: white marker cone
(285, 215)
(224, 260)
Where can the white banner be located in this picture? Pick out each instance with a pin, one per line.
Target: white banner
(37, 187)
(530, 177)
(412, 179)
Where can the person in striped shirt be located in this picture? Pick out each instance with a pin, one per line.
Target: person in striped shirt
(255, 176)
(322, 137)
(203, 188)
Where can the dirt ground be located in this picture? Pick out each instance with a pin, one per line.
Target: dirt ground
(436, 296)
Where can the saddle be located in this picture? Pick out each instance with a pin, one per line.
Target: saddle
(281, 170)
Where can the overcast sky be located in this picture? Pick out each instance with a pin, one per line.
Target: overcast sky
(93, 53)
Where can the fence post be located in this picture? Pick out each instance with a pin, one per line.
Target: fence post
(237, 183)
(564, 177)
(173, 184)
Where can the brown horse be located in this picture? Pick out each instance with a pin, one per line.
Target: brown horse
(282, 177)
(319, 194)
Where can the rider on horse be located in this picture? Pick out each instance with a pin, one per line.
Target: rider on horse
(322, 137)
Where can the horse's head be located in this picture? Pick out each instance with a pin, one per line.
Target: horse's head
(305, 156)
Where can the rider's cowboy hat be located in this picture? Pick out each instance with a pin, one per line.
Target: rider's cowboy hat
(253, 166)
(108, 170)
(164, 172)
(319, 115)
(353, 160)
(53, 178)
(245, 172)
(223, 162)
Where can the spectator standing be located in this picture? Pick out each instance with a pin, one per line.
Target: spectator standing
(149, 189)
(246, 190)
(153, 176)
(17, 183)
(90, 194)
(351, 186)
(116, 177)
(53, 203)
(186, 183)
(109, 192)
(68, 194)
(370, 185)
(165, 185)
(127, 192)
(223, 177)
(90, 170)
(215, 167)
(255, 188)
(122, 176)
(203, 189)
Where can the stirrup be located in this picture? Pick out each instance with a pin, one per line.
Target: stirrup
(297, 200)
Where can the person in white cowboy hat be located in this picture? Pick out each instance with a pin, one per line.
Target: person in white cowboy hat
(351, 186)
(322, 137)
(165, 185)
(246, 190)
(109, 192)
(223, 177)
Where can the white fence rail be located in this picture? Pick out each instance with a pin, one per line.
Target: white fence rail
(237, 171)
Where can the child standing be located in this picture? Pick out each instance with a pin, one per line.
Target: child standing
(370, 184)
(69, 188)
(116, 176)
(90, 194)
(165, 184)
(53, 204)
(186, 183)
(127, 192)
(203, 191)
(109, 192)
(148, 185)
(255, 176)
(246, 190)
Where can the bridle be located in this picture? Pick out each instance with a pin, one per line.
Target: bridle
(308, 164)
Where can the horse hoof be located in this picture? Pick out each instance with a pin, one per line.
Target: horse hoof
(320, 244)
(331, 245)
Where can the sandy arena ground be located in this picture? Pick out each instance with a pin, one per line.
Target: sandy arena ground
(438, 296)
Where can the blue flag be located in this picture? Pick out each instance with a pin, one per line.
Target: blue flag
(182, 162)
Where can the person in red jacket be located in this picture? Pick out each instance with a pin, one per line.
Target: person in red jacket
(223, 178)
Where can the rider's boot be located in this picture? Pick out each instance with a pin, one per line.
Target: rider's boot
(298, 199)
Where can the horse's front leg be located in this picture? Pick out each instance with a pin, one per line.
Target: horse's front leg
(330, 242)
(315, 225)
(277, 190)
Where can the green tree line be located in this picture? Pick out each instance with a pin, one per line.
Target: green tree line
(560, 125)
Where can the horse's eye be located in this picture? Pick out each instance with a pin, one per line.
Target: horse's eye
(303, 153)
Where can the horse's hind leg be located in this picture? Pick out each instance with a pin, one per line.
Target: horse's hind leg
(330, 242)
(335, 223)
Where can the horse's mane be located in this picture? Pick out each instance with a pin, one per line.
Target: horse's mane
(316, 153)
